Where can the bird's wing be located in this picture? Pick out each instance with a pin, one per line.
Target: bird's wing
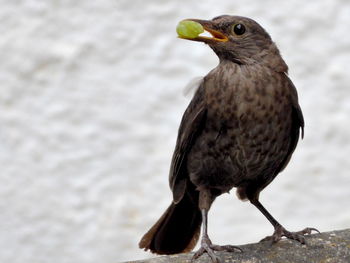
(297, 124)
(192, 124)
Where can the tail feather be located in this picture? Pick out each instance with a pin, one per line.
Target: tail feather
(177, 230)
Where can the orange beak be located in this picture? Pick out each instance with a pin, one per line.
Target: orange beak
(217, 36)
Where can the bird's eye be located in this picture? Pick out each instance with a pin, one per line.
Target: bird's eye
(238, 29)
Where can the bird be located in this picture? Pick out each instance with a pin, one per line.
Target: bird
(239, 131)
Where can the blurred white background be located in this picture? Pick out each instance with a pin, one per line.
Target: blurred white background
(90, 101)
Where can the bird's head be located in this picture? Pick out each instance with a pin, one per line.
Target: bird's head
(241, 40)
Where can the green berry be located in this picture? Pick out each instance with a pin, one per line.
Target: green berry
(189, 29)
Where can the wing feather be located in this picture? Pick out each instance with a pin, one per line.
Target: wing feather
(192, 124)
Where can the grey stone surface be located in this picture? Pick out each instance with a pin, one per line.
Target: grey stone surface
(329, 247)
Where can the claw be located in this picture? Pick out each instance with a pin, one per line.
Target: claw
(206, 247)
(280, 232)
(308, 231)
(209, 248)
(227, 248)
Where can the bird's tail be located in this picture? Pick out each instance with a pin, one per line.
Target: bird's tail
(177, 230)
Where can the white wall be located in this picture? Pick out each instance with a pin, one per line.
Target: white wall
(90, 101)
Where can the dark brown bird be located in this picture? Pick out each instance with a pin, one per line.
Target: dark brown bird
(239, 130)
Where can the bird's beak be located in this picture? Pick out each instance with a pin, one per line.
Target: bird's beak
(208, 26)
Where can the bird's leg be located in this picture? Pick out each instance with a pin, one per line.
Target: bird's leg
(205, 242)
(280, 231)
(205, 201)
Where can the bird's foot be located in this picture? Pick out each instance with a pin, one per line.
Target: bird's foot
(209, 248)
(280, 232)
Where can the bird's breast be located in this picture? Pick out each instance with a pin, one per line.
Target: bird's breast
(249, 120)
(246, 97)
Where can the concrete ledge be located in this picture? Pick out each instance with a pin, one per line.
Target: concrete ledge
(328, 247)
